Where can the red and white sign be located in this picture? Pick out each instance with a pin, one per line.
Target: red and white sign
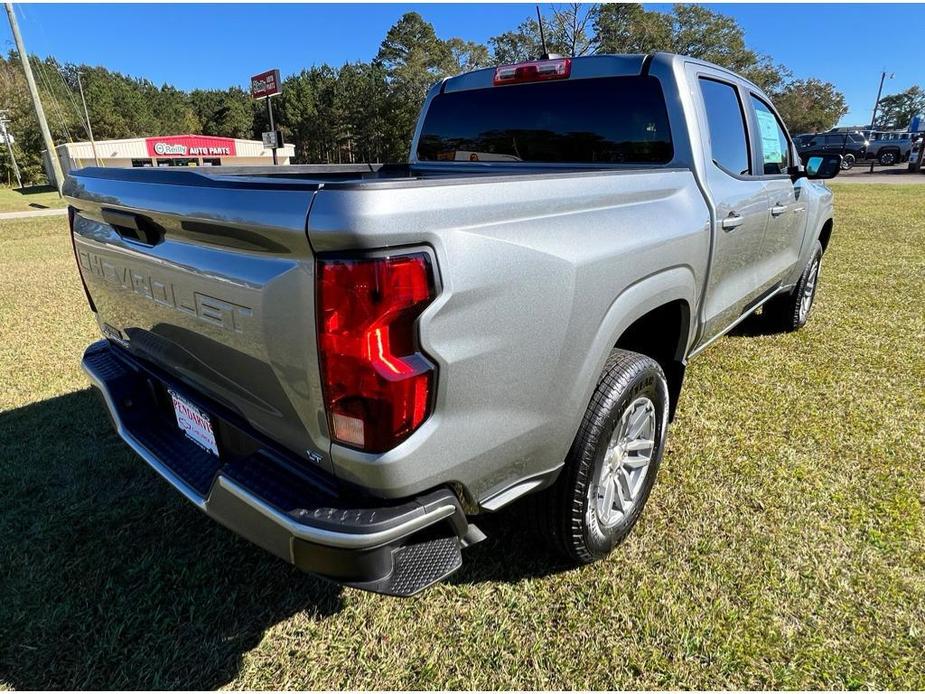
(265, 84)
(190, 146)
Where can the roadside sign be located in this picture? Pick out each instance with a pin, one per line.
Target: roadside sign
(265, 84)
(273, 139)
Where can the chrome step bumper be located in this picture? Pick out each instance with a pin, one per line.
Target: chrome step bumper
(396, 547)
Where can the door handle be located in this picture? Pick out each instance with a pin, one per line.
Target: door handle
(778, 209)
(133, 226)
(732, 221)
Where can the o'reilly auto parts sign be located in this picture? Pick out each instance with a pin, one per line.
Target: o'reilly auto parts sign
(265, 84)
(190, 146)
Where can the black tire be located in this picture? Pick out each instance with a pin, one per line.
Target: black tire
(787, 311)
(847, 162)
(561, 512)
(888, 158)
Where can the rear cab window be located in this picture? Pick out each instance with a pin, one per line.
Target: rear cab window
(600, 120)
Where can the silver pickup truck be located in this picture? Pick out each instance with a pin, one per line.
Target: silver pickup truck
(347, 365)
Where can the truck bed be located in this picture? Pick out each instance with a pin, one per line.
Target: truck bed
(312, 176)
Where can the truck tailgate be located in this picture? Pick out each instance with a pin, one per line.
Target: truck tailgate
(213, 283)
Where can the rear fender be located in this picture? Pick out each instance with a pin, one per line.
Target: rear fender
(672, 284)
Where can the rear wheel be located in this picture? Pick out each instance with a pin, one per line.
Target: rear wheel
(611, 466)
(887, 158)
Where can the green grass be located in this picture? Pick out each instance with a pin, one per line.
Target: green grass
(12, 200)
(783, 546)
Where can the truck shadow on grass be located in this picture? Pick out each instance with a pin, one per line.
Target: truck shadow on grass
(110, 580)
(755, 325)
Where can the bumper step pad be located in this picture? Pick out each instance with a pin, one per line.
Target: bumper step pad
(418, 566)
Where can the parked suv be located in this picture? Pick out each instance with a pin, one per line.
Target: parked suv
(851, 146)
(889, 148)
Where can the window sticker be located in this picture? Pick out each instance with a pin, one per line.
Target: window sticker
(770, 141)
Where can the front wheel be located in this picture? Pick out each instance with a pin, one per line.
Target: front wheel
(791, 311)
(847, 162)
(611, 466)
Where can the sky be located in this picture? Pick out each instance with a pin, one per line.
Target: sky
(216, 46)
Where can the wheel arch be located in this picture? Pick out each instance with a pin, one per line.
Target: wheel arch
(654, 316)
(826, 233)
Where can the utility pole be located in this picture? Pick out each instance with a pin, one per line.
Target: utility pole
(873, 116)
(80, 86)
(9, 146)
(56, 175)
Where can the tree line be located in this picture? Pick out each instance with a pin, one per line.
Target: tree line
(366, 111)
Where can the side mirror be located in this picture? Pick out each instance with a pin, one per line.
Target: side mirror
(823, 166)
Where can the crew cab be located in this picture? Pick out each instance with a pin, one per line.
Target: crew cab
(350, 365)
(889, 148)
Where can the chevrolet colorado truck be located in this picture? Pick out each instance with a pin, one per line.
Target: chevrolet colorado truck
(347, 365)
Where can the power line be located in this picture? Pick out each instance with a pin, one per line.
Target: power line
(51, 95)
(68, 89)
(55, 174)
(54, 101)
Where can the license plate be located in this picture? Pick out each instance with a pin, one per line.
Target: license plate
(194, 423)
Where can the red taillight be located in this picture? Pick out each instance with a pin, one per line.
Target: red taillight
(377, 385)
(535, 71)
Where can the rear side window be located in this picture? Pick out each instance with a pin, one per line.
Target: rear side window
(607, 120)
(726, 120)
(772, 140)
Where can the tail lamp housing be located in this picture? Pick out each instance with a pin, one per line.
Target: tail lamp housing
(378, 387)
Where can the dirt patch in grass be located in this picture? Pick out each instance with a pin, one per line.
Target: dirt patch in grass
(783, 546)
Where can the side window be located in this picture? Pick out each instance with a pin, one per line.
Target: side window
(726, 121)
(773, 144)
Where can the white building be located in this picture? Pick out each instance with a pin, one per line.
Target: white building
(171, 150)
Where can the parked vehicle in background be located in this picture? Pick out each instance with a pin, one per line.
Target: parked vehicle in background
(851, 146)
(889, 148)
(915, 152)
(348, 365)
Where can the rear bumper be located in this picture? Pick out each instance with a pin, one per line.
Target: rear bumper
(274, 501)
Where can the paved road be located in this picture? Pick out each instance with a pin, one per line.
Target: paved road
(33, 213)
(860, 173)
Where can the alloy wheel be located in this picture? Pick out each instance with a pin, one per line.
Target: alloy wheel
(619, 478)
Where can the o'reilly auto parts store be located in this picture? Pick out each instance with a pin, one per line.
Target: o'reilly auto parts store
(170, 150)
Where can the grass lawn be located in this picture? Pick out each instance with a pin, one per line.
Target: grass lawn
(12, 200)
(783, 545)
